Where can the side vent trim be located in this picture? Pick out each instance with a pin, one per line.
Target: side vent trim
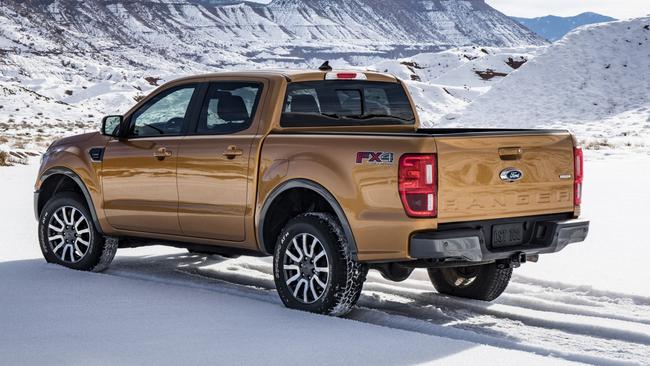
(96, 154)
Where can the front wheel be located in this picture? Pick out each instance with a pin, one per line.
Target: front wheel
(313, 268)
(68, 236)
(484, 282)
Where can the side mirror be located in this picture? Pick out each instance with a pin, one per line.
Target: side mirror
(111, 126)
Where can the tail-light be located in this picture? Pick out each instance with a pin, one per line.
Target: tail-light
(578, 175)
(350, 75)
(418, 184)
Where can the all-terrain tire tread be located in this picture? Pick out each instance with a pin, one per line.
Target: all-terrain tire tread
(489, 285)
(344, 295)
(498, 284)
(108, 254)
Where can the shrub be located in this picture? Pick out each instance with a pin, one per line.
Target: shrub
(4, 158)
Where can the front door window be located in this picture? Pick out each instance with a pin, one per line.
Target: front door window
(164, 115)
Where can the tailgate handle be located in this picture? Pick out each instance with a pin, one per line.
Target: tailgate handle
(510, 153)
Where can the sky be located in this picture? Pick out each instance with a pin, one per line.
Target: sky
(620, 9)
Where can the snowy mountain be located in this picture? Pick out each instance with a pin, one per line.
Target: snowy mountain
(212, 32)
(596, 81)
(64, 63)
(553, 27)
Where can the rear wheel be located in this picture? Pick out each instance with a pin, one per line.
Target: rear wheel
(68, 237)
(485, 282)
(313, 268)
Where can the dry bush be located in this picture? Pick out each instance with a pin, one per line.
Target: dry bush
(20, 144)
(597, 144)
(515, 64)
(489, 74)
(4, 158)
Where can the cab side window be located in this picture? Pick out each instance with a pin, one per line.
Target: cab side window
(229, 107)
(163, 115)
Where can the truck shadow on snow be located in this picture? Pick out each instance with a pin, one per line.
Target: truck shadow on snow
(574, 323)
(151, 311)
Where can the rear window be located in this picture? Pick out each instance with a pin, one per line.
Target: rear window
(346, 103)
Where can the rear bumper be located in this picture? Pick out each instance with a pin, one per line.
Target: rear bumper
(473, 242)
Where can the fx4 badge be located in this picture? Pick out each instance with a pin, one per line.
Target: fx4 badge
(375, 157)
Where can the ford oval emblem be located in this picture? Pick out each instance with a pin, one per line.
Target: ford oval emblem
(511, 175)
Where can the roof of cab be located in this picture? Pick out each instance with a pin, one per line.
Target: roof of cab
(290, 75)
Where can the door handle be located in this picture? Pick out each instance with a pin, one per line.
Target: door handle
(162, 153)
(233, 152)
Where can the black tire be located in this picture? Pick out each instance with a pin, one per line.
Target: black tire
(485, 282)
(345, 276)
(99, 252)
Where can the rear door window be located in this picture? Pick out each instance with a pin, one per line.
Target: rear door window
(346, 103)
(229, 107)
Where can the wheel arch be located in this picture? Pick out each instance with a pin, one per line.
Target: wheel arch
(267, 230)
(61, 179)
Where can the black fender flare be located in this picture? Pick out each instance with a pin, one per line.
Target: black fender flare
(318, 189)
(69, 173)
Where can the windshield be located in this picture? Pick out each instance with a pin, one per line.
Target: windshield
(346, 103)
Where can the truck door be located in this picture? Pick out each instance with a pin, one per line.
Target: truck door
(215, 162)
(139, 170)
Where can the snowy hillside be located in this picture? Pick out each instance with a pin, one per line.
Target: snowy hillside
(447, 82)
(595, 81)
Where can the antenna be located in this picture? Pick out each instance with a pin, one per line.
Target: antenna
(325, 66)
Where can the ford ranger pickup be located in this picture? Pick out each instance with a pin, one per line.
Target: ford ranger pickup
(327, 171)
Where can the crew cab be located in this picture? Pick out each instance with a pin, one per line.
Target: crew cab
(327, 171)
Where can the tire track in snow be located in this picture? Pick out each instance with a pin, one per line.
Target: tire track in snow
(590, 327)
(576, 325)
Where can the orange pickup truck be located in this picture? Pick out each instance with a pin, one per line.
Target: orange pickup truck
(327, 171)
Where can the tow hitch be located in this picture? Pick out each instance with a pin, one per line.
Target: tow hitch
(515, 261)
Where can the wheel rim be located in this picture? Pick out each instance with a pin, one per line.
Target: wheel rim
(306, 268)
(460, 277)
(69, 234)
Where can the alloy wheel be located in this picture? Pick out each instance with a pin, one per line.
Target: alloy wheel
(306, 268)
(69, 234)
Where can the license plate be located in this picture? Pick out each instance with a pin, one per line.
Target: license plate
(507, 235)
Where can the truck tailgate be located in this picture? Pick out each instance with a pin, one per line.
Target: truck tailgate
(474, 175)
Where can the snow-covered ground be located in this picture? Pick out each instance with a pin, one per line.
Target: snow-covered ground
(588, 304)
